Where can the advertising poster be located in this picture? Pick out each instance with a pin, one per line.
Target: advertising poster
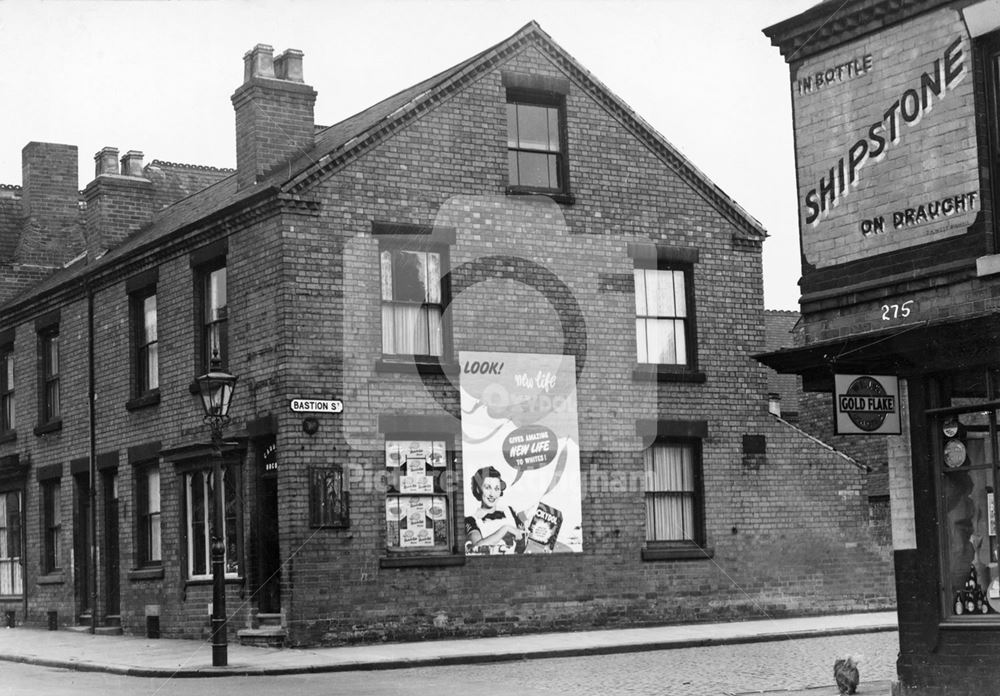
(521, 456)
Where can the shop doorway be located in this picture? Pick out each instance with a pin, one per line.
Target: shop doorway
(268, 552)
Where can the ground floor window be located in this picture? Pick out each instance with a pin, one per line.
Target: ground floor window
(199, 499)
(51, 526)
(11, 578)
(673, 493)
(962, 432)
(417, 504)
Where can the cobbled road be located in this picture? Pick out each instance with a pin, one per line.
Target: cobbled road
(710, 671)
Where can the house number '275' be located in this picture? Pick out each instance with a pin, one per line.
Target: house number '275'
(896, 311)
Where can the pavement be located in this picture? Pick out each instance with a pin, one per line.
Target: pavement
(174, 658)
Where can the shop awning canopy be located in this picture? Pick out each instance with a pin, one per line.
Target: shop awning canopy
(907, 349)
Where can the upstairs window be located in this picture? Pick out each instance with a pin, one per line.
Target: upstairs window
(411, 302)
(147, 352)
(535, 142)
(7, 413)
(661, 316)
(50, 408)
(215, 316)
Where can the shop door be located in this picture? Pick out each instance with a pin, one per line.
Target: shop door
(268, 554)
(110, 550)
(82, 532)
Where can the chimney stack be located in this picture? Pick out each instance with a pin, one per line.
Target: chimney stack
(51, 234)
(119, 201)
(274, 113)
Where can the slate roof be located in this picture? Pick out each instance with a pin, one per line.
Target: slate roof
(339, 144)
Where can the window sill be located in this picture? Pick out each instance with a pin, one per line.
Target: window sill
(151, 573)
(8, 436)
(421, 561)
(54, 578)
(415, 366)
(229, 580)
(50, 427)
(677, 553)
(667, 373)
(145, 401)
(558, 196)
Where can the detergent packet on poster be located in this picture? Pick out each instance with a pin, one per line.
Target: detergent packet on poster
(545, 524)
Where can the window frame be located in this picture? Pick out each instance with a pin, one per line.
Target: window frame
(49, 373)
(205, 325)
(941, 389)
(696, 493)
(11, 565)
(551, 100)
(440, 489)
(660, 257)
(229, 468)
(141, 372)
(8, 399)
(144, 515)
(393, 245)
(52, 525)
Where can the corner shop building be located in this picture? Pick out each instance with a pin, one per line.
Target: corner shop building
(896, 124)
(501, 267)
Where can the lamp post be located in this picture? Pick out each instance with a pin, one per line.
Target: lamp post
(216, 389)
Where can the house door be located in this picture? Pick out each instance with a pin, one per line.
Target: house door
(110, 546)
(82, 531)
(267, 552)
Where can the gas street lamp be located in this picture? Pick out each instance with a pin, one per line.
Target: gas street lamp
(216, 389)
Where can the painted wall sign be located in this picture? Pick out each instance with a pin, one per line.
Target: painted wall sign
(520, 453)
(886, 143)
(316, 406)
(866, 405)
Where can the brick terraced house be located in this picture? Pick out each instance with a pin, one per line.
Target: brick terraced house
(493, 338)
(896, 110)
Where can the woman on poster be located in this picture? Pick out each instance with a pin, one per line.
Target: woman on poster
(493, 527)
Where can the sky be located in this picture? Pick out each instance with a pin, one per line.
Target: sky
(158, 76)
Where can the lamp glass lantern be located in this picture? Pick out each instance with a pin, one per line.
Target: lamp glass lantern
(216, 389)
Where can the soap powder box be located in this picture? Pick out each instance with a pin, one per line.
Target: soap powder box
(545, 524)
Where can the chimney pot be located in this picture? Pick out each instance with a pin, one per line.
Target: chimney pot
(132, 163)
(258, 62)
(106, 161)
(288, 66)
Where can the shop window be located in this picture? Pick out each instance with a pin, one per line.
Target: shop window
(51, 526)
(673, 494)
(962, 434)
(11, 577)
(418, 509)
(412, 310)
(148, 515)
(328, 500)
(7, 413)
(199, 499)
(536, 153)
(50, 408)
(146, 358)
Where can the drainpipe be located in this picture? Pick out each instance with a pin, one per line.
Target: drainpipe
(92, 407)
